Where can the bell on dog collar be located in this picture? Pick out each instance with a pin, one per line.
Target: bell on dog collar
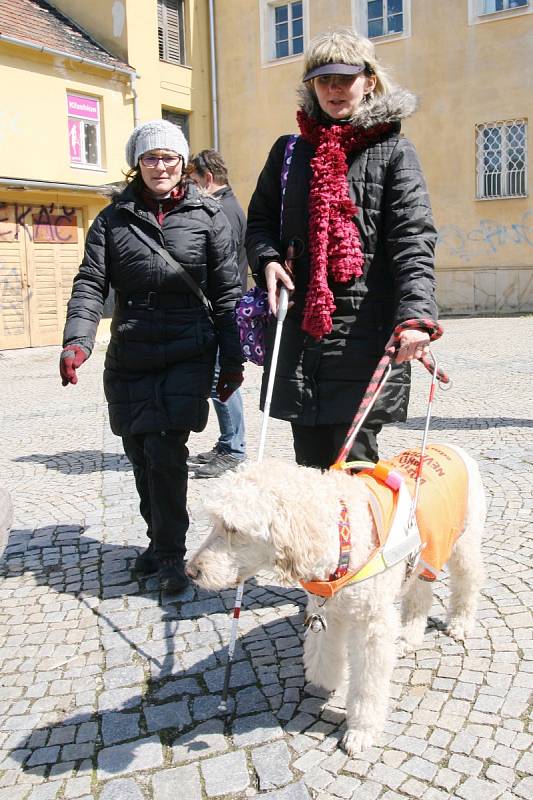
(316, 623)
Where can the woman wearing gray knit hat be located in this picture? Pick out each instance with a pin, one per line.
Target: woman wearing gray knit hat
(167, 251)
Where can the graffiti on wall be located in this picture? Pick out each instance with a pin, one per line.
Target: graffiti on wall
(44, 223)
(487, 238)
(9, 284)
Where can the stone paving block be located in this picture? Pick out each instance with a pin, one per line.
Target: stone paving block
(271, 762)
(44, 755)
(523, 789)
(20, 793)
(242, 674)
(225, 774)
(123, 758)
(256, 729)
(387, 775)
(76, 787)
(204, 740)
(177, 783)
(296, 791)
(177, 688)
(123, 676)
(249, 700)
(119, 726)
(168, 715)
(480, 789)
(46, 791)
(122, 789)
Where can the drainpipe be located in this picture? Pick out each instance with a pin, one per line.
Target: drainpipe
(133, 82)
(41, 48)
(214, 90)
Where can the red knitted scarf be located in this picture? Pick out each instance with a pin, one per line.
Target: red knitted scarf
(334, 244)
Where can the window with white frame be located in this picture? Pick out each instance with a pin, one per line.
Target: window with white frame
(171, 30)
(287, 29)
(501, 159)
(84, 130)
(385, 17)
(493, 6)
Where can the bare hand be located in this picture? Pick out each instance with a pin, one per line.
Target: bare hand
(413, 344)
(274, 274)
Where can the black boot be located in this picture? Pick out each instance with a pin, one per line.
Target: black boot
(172, 577)
(146, 563)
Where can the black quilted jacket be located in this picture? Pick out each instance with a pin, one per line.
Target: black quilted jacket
(323, 382)
(159, 363)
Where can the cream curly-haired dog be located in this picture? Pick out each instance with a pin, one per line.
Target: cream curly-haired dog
(283, 519)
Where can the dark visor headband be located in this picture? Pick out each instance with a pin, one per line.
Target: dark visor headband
(335, 69)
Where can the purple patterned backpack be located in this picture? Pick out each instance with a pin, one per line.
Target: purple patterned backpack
(253, 313)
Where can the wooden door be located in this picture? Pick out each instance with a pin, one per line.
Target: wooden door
(14, 305)
(53, 260)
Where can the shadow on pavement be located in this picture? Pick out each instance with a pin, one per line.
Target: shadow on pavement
(467, 423)
(185, 664)
(79, 462)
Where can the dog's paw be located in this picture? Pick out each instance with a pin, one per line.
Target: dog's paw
(460, 628)
(355, 741)
(404, 647)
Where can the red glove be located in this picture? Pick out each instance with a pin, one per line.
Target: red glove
(228, 382)
(70, 359)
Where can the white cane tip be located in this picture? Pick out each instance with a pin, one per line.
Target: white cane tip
(223, 707)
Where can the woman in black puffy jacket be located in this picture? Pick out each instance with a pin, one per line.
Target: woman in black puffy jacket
(356, 203)
(160, 360)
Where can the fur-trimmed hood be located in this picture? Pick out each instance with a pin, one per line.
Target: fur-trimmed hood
(393, 107)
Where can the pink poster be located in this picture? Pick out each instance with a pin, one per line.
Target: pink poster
(83, 107)
(74, 140)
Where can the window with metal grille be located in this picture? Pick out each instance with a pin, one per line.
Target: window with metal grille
(502, 159)
(288, 29)
(492, 6)
(171, 30)
(177, 118)
(385, 17)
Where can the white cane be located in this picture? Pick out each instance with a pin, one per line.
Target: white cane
(283, 304)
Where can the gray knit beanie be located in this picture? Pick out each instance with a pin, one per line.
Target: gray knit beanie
(159, 134)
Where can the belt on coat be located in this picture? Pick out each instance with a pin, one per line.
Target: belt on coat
(150, 301)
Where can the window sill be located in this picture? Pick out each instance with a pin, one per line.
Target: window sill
(285, 60)
(502, 197)
(90, 167)
(390, 37)
(175, 63)
(496, 16)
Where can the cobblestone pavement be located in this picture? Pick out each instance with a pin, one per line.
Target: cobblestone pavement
(109, 690)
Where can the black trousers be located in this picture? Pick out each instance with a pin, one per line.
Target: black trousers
(318, 445)
(159, 462)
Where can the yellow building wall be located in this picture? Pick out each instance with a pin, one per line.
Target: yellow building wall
(463, 75)
(128, 29)
(34, 101)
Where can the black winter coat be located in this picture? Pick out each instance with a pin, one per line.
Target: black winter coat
(237, 220)
(323, 382)
(159, 362)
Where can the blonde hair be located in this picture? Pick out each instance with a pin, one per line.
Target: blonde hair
(346, 46)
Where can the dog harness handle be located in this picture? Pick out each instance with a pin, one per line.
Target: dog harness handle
(381, 374)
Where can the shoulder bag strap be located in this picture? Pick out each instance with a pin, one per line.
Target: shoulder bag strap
(182, 272)
(287, 158)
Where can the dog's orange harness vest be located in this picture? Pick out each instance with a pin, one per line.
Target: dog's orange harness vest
(440, 515)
